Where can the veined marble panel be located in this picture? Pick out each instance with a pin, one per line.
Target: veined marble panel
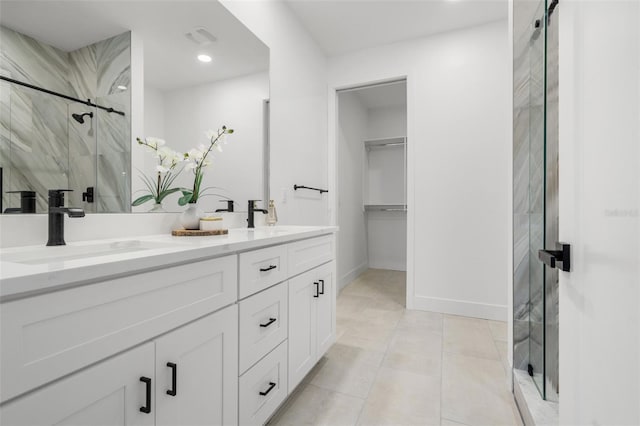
(113, 57)
(521, 344)
(521, 72)
(114, 168)
(83, 72)
(521, 265)
(82, 175)
(536, 159)
(521, 161)
(26, 59)
(114, 133)
(5, 139)
(39, 154)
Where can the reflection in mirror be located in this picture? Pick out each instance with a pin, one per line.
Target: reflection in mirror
(153, 75)
(64, 120)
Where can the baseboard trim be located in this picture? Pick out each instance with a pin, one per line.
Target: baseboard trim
(460, 307)
(393, 266)
(351, 275)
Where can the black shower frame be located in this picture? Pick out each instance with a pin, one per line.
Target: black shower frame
(70, 98)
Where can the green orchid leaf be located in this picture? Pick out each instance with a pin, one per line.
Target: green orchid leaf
(167, 192)
(142, 200)
(186, 198)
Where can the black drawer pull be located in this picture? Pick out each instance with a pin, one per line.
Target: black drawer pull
(271, 321)
(268, 269)
(271, 386)
(322, 291)
(147, 407)
(174, 379)
(317, 289)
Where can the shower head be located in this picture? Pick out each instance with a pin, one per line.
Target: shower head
(80, 117)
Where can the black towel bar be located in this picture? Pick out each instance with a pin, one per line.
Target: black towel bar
(296, 187)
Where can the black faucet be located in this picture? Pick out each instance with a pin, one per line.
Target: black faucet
(229, 206)
(27, 202)
(252, 210)
(56, 216)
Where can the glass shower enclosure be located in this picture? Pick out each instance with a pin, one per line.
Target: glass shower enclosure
(536, 197)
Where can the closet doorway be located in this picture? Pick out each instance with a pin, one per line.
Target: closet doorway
(372, 182)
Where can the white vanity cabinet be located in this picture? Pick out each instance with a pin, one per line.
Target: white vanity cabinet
(218, 340)
(108, 393)
(186, 377)
(277, 325)
(196, 382)
(311, 319)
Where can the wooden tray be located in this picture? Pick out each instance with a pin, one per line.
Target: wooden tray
(197, 232)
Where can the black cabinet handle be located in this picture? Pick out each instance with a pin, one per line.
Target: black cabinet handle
(271, 386)
(147, 407)
(267, 324)
(551, 257)
(322, 291)
(317, 289)
(174, 379)
(268, 269)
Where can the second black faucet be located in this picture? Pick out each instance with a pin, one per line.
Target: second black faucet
(252, 209)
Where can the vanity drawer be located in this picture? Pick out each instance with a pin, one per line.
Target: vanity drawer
(262, 268)
(263, 324)
(54, 334)
(307, 254)
(269, 376)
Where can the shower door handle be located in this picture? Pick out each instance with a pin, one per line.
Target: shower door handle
(552, 257)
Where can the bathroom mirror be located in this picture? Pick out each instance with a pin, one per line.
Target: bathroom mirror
(136, 63)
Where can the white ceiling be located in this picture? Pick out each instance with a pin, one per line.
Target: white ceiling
(170, 58)
(341, 26)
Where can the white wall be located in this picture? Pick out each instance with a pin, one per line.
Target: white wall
(154, 113)
(387, 122)
(599, 196)
(298, 74)
(352, 238)
(459, 127)
(238, 104)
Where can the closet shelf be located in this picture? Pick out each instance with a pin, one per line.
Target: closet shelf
(385, 207)
(399, 141)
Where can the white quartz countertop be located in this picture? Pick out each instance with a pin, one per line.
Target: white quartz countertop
(26, 271)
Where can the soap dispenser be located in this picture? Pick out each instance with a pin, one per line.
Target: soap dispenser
(272, 216)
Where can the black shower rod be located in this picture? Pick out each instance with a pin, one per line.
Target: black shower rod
(51, 92)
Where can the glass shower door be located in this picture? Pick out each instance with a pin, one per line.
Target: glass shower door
(543, 200)
(537, 197)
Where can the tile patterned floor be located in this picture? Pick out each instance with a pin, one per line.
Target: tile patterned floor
(391, 366)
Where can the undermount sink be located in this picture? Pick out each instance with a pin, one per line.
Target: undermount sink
(75, 252)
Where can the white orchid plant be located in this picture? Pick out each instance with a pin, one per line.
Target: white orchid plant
(197, 159)
(159, 187)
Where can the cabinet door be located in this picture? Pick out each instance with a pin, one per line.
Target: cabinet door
(302, 327)
(203, 359)
(326, 318)
(109, 393)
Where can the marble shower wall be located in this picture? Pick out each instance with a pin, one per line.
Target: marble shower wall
(41, 146)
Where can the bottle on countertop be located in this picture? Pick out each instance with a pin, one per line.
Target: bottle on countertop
(272, 216)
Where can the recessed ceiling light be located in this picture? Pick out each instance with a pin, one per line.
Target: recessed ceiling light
(204, 58)
(122, 87)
